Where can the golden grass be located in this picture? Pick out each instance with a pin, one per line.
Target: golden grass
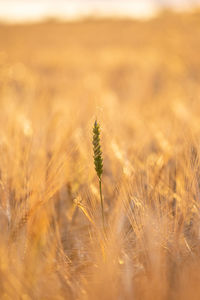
(141, 80)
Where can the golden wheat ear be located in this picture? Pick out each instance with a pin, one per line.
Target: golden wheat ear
(98, 163)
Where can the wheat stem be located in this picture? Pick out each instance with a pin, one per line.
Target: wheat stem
(102, 205)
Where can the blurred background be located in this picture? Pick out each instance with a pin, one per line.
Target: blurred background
(22, 10)
(102, 52)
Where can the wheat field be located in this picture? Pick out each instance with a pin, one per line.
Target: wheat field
(140, 80)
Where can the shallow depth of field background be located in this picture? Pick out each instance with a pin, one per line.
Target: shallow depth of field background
(140, 79)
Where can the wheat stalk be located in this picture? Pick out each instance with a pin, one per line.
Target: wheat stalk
(98, 162)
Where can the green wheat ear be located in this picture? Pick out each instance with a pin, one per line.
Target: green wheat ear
(98, 162)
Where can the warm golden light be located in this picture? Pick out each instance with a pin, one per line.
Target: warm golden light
(99, 150)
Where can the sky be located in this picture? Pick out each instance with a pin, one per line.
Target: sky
(33, 10)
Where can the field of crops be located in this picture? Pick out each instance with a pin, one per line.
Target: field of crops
(141, 81)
